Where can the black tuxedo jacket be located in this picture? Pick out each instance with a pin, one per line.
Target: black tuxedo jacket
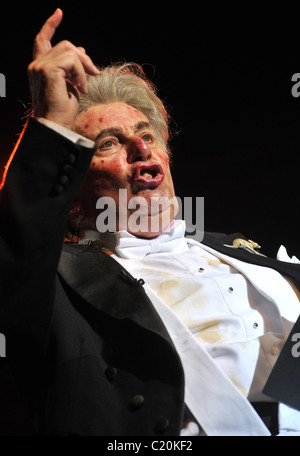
(86, 353)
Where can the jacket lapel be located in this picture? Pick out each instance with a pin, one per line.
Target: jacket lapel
(107, 287)
(220, 243)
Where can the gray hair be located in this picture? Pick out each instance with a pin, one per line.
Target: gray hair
(127, 83)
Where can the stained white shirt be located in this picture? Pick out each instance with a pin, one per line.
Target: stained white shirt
(239, 322)
(221, 308)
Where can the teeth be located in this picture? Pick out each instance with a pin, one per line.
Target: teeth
(147, 174)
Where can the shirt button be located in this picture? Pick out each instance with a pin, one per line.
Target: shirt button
(111, 373)
(255, 325)
(137, 401)
(230, 289)
(161, 426)
(201, 269)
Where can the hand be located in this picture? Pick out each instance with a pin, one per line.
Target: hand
(57, 75)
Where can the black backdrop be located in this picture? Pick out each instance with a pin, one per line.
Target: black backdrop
(226, 78)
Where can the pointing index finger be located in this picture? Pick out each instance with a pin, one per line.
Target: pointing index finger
(42, 43)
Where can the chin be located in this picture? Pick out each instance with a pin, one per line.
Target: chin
(150, 226)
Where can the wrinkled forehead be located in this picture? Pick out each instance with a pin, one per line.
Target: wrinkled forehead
(93, 120)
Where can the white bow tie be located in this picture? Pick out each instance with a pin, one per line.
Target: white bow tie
(173, 240)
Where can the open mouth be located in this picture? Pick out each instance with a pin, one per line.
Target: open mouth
(151, 173)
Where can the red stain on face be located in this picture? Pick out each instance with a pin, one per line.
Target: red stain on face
(100, 119)
(86, 126)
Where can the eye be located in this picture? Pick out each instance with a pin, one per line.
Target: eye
(147, 137)
(108, 144)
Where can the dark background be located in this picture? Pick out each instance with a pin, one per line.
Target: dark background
(226, 77)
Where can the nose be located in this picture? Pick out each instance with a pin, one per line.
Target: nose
(138, 150)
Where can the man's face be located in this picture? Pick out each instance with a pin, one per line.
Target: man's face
(128, 156)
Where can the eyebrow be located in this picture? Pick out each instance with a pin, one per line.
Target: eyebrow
(117, 130)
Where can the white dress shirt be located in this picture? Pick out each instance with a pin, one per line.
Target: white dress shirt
(241, 314)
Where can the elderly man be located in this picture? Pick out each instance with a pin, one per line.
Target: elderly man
(139, 331)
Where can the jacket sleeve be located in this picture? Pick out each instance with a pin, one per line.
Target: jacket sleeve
(41, 183)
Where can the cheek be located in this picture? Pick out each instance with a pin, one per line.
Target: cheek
(115, 163)
(115, 166)
(165, 159)
(168, 181)
(106, 173)
(166, 165)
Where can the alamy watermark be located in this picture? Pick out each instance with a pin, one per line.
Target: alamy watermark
(2, 85)
(296, 348)
(139, 214)
(2, 346)
(296, 87)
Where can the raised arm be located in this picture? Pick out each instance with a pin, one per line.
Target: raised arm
(41, 183)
